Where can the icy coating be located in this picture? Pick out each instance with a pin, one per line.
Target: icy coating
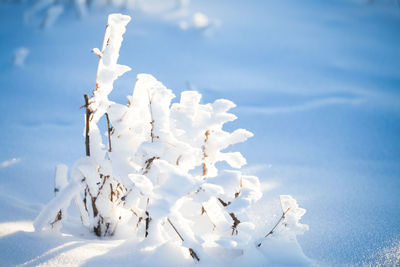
(157, 175)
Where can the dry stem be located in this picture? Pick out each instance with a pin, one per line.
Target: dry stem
(204, 211)
(276, 225)
(207, 133)
(109, 131)
(149, 162)
(58, 218)
(191, 251)
(236, 221)
(89, 112)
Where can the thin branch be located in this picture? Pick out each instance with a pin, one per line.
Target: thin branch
(58, 218)
(97, 229)
(276, 225)
(111, 193)
(235, 224)
(193, 254)
(105, 177)
(85, 198)
(207, 133)
(178, 159)
(123, 198)
(204, 211)
(151, 117)
(147, 220)
(149, 163)
(236, 221)
(109, 130)
(89, 112)
(191, 251)
(176, 231)
(224, 203)
(77, 200)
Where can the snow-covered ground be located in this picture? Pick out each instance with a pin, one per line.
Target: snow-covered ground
(317, 82)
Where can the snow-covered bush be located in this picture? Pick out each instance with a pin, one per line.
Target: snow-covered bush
(154, 169)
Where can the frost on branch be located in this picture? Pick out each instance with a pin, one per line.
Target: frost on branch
(155, 173)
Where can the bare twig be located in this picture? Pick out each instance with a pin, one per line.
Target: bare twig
(105, 177)
(204, 211)
(207, 133)
(178, 159)
(111, 193)
(147, 219)
(235, 224)
(191, 251)
(152, 120)
(89, 112)
(236, 221)
(276, 225)
(224, 203)
(176, 231)
(96, 229)
(85, 198)
(149, 162)
(78, 200)
(193, 254)
(109, 131)
(58, 218)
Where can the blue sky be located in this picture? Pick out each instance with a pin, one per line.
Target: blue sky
(317, 82)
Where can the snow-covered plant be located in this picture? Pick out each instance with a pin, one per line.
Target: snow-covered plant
(154, 169)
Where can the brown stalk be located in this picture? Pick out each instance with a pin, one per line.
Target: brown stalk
(236, 221)
(89, 113)
(207, 133)
(105, 177)
(58, 218)
(276, 225)
(191, 251)
(204, 211)
(85, 197)
(178, 159)
(224, 203)
(147, 220)
(109, 130)
(59, 214)
(149, 162)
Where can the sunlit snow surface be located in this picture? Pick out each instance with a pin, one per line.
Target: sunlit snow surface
(317, 82)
